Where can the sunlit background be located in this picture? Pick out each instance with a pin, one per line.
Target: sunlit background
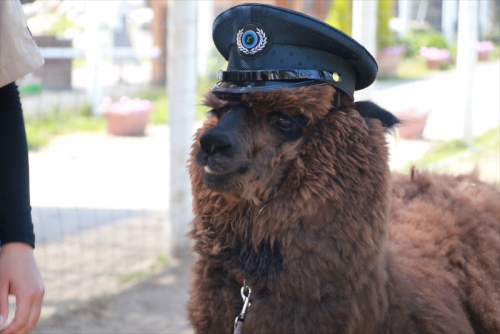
(102, 131)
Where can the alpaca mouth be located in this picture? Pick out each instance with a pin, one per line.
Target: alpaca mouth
(209, 171)
(221, 181)
(239, 170)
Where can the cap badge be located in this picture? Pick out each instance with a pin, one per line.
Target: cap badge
(253, 40)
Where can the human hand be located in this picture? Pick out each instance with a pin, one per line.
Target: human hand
(19, 276)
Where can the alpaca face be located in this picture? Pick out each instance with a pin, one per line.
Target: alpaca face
(250, 143)
(245, 151)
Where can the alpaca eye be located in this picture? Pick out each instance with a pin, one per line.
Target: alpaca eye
(288, 127)
(282, 121)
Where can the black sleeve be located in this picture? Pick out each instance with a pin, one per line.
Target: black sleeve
(15, 209)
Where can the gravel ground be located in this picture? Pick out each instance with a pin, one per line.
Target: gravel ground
(154, 305)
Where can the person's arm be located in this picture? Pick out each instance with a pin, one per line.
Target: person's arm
(15, 209)
(19, 274)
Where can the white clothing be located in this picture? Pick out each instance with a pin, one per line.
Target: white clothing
(19, 54)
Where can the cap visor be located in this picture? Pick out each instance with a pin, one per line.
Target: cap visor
(248, 86)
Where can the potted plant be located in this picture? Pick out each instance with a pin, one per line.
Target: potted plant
(126, 117)
(388, 60)
(389, 55)
(435, 57)
(413, 122)
(483, 50)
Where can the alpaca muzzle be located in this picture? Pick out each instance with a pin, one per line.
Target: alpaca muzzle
(221, 154)
(220, 139)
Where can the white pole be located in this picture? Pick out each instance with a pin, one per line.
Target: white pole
(364, 30)
(205, 20)
(404, 14)
(466, 60)
(449, 12)
(94, 57)
(422, 10)
(181, 87)
(484, 8)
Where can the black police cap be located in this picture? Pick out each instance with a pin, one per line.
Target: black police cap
(268, 47)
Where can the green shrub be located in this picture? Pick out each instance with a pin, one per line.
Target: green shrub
(158, 98)
(385, 37)
(415, 39)
(495, 53)
(60, 25)
(40, 131)
(489, 141)
(340, 15)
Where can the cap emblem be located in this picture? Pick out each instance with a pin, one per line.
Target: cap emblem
(252, 40)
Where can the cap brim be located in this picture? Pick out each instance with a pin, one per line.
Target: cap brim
(248, 86)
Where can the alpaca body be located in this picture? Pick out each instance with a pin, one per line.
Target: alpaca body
(446, 231)
(327, 239)
(446, 287)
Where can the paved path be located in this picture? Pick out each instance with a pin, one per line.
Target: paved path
(85, 180)
(96, 170)
(441, 94)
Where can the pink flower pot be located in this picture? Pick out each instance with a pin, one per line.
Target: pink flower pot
(413, 122)
(127, 124)
(126, 117)
(483, 55)
(483, 49)
(388, 60)
(435, 57)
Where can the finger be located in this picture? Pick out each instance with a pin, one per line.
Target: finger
(4, 302)
(23, 303)
(36, 308)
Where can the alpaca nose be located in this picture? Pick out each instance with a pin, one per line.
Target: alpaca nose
(215, 141)
(221, 138)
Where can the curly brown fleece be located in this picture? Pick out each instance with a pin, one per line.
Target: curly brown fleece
(341, 246)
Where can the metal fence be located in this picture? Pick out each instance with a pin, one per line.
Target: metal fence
(99, 202)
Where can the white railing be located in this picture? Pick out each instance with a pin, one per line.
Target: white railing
(116, 53)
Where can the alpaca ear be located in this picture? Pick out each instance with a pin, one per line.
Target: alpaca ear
(368, 109)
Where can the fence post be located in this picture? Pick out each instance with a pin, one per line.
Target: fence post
(422, 10)
(449, 11)
(94, 59)
(484, 12)
(404, 15)
(205, 21)
(364, 30)
(181, 88)
(466, 60)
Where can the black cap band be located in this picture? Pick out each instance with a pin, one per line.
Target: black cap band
(263, 85)
(279, 75)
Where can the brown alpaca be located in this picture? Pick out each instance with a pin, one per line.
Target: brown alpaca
(299, 200)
